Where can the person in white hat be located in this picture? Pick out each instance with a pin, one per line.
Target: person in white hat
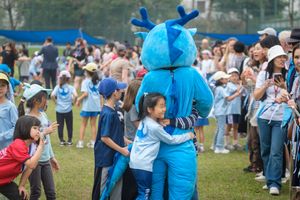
(268, 88)
(265, 32)
(63, 96)
(234, 105)
(220, 105)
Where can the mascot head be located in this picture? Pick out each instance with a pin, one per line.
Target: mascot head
(168, 44)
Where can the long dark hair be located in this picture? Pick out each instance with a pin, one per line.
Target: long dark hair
(23, 127)
(30, 103)
(94, 76)
(148, 101)
(270, 69)
(297, 46)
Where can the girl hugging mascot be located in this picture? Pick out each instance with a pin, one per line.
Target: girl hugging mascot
(168, 53)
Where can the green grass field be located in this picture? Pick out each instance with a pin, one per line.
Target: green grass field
(220, 177)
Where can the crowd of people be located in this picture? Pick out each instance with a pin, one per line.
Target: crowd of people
(255, 91)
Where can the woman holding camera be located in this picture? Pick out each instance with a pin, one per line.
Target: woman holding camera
(269, 84)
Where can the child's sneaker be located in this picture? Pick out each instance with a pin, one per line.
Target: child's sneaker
(222, 151)
(91, 144)
(69, 143)
(238, 147)
(62, 143)
(274, 191)
(80, 144)
(229, 147)
(200, 148)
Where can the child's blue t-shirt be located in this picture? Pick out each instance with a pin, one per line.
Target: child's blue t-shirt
(63, 98)
(8, 119)
(220, 106)
(109, 126)
(233, 106)
(92, 102)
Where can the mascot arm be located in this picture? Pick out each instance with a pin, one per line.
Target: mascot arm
(185, 122)
(203, 96)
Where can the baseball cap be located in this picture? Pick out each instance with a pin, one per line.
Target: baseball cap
(219, 75)
(32, 90)
(274, 52)
(3, 76)
(5, 68)
(109, 85)
(232, 70)
(91, 67)
(121, 47)
(64, 73)
(268, 31)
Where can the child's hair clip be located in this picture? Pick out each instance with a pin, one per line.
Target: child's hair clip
(145, 94)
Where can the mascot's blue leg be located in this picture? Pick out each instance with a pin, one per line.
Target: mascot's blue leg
(158, 179)
(182, 170)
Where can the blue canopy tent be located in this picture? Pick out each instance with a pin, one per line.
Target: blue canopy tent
(58, 36)
(247, 39)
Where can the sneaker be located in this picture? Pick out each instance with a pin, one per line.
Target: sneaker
(69, 143)
(249, 169)
(212, 147)
(265, 187)
(222, 151)
(200, 148)
(229, 147)
(261, 178)
(238, 147)
(62, 143)
(80, 144)
(259, 174)
(274, 191)
(91, 144)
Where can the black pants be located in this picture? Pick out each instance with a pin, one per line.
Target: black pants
(50, 74)
(61, 118)
(42, 173)
(11, 191)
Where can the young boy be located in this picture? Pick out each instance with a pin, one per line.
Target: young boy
(110, 138)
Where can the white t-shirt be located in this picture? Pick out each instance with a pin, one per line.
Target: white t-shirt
(271, 110)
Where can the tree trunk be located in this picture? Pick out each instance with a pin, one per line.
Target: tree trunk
(291, 13)
(209, 19)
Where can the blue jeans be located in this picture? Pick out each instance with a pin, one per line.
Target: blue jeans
(220, 132)
(144, 182)
(271, 145)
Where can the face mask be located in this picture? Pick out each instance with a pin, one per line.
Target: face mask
(107, 50)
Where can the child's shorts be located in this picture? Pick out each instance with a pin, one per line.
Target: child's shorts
(89, 114)
(202, 122)
(233, 119)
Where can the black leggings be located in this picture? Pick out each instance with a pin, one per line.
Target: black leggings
(11, 191)
(61, 118)
(50, 74)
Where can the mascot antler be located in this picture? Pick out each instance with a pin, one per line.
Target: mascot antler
(145, 22)
(185, 18)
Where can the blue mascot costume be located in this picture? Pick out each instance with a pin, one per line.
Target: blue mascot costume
(168, 53)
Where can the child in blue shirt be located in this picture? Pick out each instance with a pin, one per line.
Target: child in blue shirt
(110, 138)
(233, 90)
(220, 109)
(91, 106)
(64, 95)
(8, 113)
(146, 144)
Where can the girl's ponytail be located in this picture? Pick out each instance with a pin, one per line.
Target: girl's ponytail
(141, 114)
(21, 109)
(95, 78)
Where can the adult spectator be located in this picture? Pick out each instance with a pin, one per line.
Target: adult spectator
(119, 68)
(9, 56)
(282, 36)
(49, 64)
(266, 32)
(205, 44)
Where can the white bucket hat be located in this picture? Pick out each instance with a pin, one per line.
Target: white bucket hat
(31, 90)
(274, 52)
(219, 75)
(268, 31)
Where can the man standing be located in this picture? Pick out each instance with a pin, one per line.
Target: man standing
(49, 64)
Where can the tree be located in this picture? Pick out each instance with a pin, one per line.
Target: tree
(11, 9)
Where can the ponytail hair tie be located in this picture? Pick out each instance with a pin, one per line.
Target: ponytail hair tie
(145, 94)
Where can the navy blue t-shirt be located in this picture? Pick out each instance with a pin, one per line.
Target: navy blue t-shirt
(109, 126)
